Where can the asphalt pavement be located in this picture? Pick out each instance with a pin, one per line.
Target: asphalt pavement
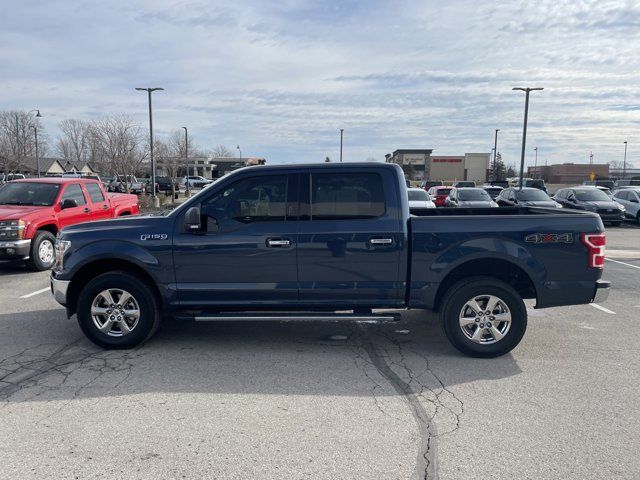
(323, 400)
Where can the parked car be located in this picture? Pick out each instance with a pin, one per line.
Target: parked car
(629, 198)
(164, 184)
(195, 181)
(33, 211)
(439, 195)
(627, 182)
(535, 183)
(469, 198)
(591, 199)
(464, 184)
(492, 191)
(418, 198)
(8, 177)
(498, 183)
(603, 182)
(427, 184)
(119, 184)
(528, 196)
(300, 242)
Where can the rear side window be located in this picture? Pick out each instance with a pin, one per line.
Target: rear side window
(346, 196)
(95, 194)
(622, 195)
(74, 192)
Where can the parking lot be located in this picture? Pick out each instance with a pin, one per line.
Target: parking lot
(323, 400)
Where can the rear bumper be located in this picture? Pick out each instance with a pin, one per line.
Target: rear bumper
(15, 250)
(602, 291)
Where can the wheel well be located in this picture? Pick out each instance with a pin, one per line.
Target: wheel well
(122, 214)
(49, 228)
(503, 270)
(98, 267)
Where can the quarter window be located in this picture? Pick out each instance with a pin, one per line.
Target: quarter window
(346, 196)
(74, 192)
(95, 194)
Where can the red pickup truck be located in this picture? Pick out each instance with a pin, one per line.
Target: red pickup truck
(32, 211)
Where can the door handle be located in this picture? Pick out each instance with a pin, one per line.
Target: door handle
(86, 210)
(278, 242)
(381, 241)
(104, 207)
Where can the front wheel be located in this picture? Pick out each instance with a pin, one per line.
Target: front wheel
(42, 256)
(117, 310)
(483, 317)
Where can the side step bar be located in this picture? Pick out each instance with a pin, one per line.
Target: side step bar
(298, 316)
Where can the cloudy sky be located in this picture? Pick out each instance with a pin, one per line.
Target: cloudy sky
(281, 78)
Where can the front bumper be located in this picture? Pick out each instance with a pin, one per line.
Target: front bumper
(59, 290)
(612, 217)
(602, 291)
(15, 249)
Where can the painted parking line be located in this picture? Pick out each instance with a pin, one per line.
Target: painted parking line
(600, 307)
(623, 263)
(36, 293)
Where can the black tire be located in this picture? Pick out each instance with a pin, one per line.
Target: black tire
(36, 262)
(452, 306)
(638, 218)
(149, 316)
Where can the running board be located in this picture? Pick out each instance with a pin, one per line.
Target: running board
(296, 317)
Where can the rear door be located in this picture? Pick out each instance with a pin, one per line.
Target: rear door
(81, 213)
(350, 239)
(99, 203)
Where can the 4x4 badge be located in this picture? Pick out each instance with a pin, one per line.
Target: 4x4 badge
(549, 238)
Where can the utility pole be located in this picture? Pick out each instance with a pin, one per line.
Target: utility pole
(495, 155)
(341, 132)
(535, 165)
(624, 163)
(590, 158)
(156, 200)
(35, 132)
(186, 160)
(239, 151)
(527, 90)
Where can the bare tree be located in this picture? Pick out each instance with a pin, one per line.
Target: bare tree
(74, 140)
(17, 137)
(619, 165)
(221, 151)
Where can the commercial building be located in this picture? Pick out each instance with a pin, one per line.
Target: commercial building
(567, 173)
(420, 164)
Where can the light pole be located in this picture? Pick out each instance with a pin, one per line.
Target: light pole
(624, 163)
(527, 90)
(156, 200)
(186, 159)
(35, 132)
(535, 165)
(239, 152)
(495, 155)
(341, 132)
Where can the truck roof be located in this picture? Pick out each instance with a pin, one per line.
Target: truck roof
(60, 180)
(320, 165)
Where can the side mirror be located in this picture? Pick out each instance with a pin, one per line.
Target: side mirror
(68, 203)
(192, 220)
(634, 200)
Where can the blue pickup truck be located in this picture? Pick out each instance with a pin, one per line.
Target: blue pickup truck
(326, 242)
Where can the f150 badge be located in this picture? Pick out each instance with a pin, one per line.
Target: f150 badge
(549, 238)
(154, 236)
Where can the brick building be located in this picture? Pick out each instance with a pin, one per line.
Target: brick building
(569, 172)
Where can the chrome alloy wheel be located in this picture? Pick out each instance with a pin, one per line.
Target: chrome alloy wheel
(45, 252)
(485, 319)
(115, 312)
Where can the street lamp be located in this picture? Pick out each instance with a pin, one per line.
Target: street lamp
(535, 165)
(624, 163)
(156, 200)
(341, 132)
(524, 128)
(495, 155)
(186, 159)
(240, 151)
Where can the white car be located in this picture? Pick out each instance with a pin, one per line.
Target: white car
(196, 181)
(418, 198)
(629, 198)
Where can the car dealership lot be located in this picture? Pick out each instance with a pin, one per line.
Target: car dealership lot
(323, 400)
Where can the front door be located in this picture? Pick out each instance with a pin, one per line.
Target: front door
(80, 213)
(245, 253)
(99, 205)
(349, 247)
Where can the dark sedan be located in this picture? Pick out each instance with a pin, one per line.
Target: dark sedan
(469, 198)
(591, 199)
(528, 196)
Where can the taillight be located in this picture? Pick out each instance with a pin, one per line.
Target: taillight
(595, 243)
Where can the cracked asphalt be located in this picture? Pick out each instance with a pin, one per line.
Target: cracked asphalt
(323, 400)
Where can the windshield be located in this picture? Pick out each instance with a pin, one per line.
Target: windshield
(418, 195)
(26, 193)
(592, 195)
(473, 195)
(532, 196)
(443, 191)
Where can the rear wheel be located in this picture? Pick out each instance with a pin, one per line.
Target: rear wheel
(483, 317)
(118, 310)
(41, 256)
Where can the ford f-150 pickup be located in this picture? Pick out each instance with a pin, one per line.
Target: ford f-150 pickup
(327, 242)
(32, 212)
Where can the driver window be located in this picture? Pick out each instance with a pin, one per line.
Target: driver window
(255, 199)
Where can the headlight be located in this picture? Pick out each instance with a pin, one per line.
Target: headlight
(621, 207)
(12, 229)
(494, 204)
(60, 249)
(558, 205)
